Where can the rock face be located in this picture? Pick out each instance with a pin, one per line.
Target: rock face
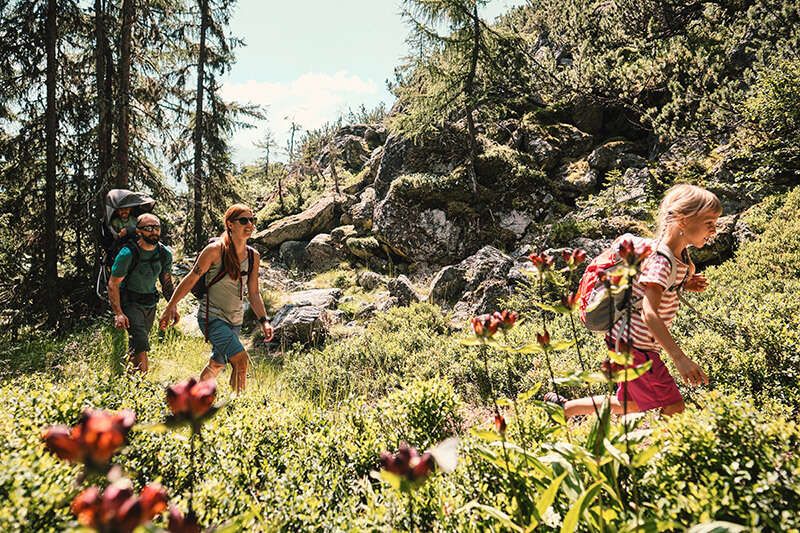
(426, 218)
(323, 298)
(437, 155)
(304, 324)
(361, 212)
(321, 252)
(474, 285)
(402, 289)
(369, 280)
(318, 218)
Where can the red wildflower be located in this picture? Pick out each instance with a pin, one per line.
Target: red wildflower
(180, 523)
(542, 261)
(574, 257)
(570, 300)
(408, 463)
(500, 424)
(93, 440)
(191, 399)
(632, 254)
(117, 508)
(506, 318)
(485, 326)
(543, 339)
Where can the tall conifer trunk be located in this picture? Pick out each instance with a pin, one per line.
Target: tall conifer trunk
(123, 134)
(469, 86)
(103, 95)
(199, 240)
(51, 129)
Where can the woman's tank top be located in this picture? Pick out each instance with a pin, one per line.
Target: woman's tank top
(225, 297)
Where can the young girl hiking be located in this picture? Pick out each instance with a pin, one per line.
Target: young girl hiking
(687, 217)
(222, 270)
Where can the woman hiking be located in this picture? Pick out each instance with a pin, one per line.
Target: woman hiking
(222, 307)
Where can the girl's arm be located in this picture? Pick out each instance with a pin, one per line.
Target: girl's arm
(688, 369)
(170, 316)
(256, 302)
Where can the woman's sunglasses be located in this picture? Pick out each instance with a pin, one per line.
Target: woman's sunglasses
(244, 220)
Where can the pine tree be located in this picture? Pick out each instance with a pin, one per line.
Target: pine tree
(441, 79)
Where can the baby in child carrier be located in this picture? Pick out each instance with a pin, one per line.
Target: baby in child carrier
(123, 224)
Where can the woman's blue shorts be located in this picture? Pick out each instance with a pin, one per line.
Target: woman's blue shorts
(224, 338)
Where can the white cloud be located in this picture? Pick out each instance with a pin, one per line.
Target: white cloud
(310, 100)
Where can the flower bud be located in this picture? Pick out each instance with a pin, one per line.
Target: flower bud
(543, 339)
(500, 424)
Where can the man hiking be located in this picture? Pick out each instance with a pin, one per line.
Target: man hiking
(132, 286)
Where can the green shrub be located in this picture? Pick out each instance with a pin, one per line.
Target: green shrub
(728, 461)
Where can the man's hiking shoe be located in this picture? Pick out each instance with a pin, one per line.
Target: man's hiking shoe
(552, 397)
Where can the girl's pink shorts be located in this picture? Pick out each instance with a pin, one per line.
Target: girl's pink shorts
(655, 388)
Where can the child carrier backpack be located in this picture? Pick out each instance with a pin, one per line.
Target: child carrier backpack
(599, 310)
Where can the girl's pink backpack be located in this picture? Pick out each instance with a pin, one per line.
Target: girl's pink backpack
(599, 311)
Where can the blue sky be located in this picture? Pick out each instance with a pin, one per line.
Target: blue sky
(311, 60)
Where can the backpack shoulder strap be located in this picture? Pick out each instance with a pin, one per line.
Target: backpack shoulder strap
(251, 254)
(664, 251)
(134, 248)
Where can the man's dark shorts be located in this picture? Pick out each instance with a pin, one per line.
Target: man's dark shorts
(141, 319)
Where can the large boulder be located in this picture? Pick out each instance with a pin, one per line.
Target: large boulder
(352, 152)
(447, 286)
(293, 254)
(435, 154)
(550, 144)
(402, 289)
(304, 324)
(361, 213)
(340, 234)
(323, 298)
(615, 155)
(321, 252)
(320, 217)
(462, 285)
(427, 218)
(369, 280)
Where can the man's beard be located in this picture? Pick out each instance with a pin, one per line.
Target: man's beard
(151, 240)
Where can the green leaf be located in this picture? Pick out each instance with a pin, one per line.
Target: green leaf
(600, 428)
(528, 394)
(717, 527)
(642, 458)
(151, 428)
(533, 347)
(558, 346)
(577, 509)
(548, 496)
(616, 453)
(620, 358)
(493, 512)
(630, 374)
(557, 308)
(485, 434)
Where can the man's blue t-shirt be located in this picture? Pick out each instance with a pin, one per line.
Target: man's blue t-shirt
(151, 264)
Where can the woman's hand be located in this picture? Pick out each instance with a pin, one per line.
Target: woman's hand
(169, 317)
(690, 371)
(697, 283)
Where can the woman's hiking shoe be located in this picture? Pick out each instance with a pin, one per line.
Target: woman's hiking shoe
(552, 397)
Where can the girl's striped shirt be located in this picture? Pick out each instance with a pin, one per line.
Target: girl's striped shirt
(655, 269)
